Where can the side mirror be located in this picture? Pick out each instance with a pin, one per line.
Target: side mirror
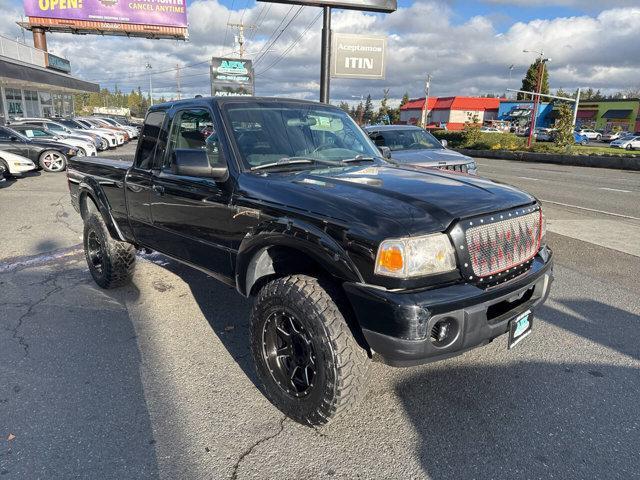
(195, 163)
(444, 143)
(385, 151)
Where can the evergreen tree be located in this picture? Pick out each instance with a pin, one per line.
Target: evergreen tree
(359, 114)
(367, 114)
(345, 106)
(530, 81)
(405, 99)
(383, 111)
(564, 127)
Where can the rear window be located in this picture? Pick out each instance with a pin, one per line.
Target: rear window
(149, 140)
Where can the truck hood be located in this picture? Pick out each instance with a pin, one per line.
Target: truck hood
(431, 157)
(383, 201)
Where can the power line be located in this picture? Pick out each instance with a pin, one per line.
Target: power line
(279, 34)
(226, 30)
(293, 44)
(275, 31)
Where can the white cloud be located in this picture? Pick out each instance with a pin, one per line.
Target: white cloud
(601, 51)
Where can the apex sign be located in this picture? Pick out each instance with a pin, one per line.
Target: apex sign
(358, 56)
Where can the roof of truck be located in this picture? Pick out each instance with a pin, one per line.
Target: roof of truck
(234, 99)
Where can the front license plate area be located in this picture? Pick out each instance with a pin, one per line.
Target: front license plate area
(520, 328)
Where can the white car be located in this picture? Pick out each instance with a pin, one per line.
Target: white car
(628, 143)
(590, 134)
(108, 139)
(491, 130)
(15, 164)
(611, 136)
(94, 124)
(543, 134)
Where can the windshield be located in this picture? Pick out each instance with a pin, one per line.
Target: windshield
(406, 139)
(268, 132)
(18, 134)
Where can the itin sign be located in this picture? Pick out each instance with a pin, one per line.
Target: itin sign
(231, 76)
(358, 56)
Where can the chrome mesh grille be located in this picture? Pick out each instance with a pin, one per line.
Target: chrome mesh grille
(502, 245)
(456, 168)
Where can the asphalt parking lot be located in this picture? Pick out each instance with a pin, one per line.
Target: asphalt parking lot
(155, 380)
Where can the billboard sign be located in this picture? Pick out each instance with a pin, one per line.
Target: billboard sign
(231, 76)
(358, 56)
(385, 6)
(172, 13)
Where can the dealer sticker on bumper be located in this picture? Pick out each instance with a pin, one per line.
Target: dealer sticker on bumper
(520, 328)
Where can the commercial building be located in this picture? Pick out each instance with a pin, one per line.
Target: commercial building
(450, 112)
(34, 83)
(607, 115)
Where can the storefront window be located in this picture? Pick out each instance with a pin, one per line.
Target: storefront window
(2, 119)
(14, 102)
(47, 104)
(57, 105)
(31, 103)
(67, 106)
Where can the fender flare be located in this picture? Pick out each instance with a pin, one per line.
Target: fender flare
(254, 262)
(89, 187)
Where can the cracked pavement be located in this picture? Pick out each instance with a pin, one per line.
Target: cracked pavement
(155, 380)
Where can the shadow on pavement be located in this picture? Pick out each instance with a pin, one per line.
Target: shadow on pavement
(529, 420)
(70, 385)
(607, 325)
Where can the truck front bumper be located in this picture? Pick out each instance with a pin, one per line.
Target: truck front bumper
(398, 325)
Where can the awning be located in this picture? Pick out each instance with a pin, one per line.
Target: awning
(617, 114)
(587, 114)
(37, 77)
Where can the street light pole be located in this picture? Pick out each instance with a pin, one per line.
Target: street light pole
(148, 67)
(536, 98)
(325, 55)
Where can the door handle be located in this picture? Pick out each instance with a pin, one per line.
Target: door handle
(159, 189)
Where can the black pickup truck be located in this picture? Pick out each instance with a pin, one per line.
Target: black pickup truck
(348, 257)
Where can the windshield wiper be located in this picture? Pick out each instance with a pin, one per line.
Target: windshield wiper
(358, 158)
(284, 161)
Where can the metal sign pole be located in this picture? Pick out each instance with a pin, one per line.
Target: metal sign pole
(325, 56)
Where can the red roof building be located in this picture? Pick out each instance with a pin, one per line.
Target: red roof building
(450, 112)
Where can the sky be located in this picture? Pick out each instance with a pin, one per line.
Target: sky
(466, 46)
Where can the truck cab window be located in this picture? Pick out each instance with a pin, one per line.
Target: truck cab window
(149, 140)
(194, 130)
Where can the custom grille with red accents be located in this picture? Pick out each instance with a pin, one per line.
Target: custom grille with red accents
(503, 244)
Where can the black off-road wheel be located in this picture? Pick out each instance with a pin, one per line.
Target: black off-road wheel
(309, 363)
(111, 262)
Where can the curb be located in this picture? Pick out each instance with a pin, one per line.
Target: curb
(599, 161)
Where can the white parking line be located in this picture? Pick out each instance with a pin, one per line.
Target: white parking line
(614, 189)
(591, 209)
(529, 178)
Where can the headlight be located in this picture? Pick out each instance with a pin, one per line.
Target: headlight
(415, 256)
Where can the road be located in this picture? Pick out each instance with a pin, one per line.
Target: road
(155, 380)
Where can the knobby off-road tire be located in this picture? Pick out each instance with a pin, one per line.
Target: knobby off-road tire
(301, 310)
(111, 262)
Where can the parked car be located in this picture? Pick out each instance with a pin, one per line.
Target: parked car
(543, 134)
(107, 139)
(91, 123)
(347, 256)
(46, 154)
(590, 134)
(131, 131)
(119, 137)
(630, 142)
(487, 129)
(102, 124)
(410, 145)
(12, 164)
(580, 139)
(59, 129)
(611, 136)
(85, 149)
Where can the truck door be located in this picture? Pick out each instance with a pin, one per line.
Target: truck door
(139, 178)
(192, 215)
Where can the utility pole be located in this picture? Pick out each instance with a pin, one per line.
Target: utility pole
(536, 97)
(178, 80)
(239, 39)
(575, 107)
(325, 54)
(425, 108)
(148, 67)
